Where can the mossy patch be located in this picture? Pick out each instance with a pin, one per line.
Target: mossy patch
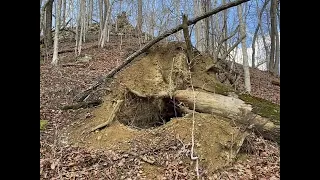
(263, 107)
(222, 89)
(43, 124)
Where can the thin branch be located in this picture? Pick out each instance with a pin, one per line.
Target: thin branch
(234, 46)
(225, 39)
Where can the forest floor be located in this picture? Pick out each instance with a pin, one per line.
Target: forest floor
(59, 85)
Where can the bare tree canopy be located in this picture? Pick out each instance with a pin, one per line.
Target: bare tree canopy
(159, 89)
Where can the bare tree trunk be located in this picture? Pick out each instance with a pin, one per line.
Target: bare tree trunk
(225, 27)
(210, 31)
(109, 27)
(56, 34)
(213, 20)
(81, 23)
(273, 35)
(101, 20)
(202, 27)
(277, 60)
(253, 46)
(177, 8)
(82, 8)
(244, 51)
(187, 37)
(139, 18)
(152, 20)
(41, 17)
(256, 33)
(198, 25)
(206, 7)
(216, 23)
(47, 32)
(90, 11)
(278, 13)
(78, 23)
(84, 21)
(71, 12)
(64, 5)
(266, 48)
(234, 60)
(105, 29)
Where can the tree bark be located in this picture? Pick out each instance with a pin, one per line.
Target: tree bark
(106, 24)
(273, 35)
(139, 18)
(212, 40)
(167, 33)
(242, 24)
(90, 11)
(256, 33)
(101, 20)
(197, 27)
(187, 37)
(225, 28)
(56, 34)
(207, 26)
(41, 17)
(266, 48)
(84, 21)
(48, 24)
(64, 5)
(81, 24)
(277, 56)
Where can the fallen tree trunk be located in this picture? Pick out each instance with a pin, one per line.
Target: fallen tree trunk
(230, 108)
(151, 43)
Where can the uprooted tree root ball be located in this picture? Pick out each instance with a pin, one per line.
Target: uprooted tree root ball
(153, 98)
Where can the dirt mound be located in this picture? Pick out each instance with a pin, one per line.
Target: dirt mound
(142, 105)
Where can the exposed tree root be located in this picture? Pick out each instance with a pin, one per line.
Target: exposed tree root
(111, 116)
